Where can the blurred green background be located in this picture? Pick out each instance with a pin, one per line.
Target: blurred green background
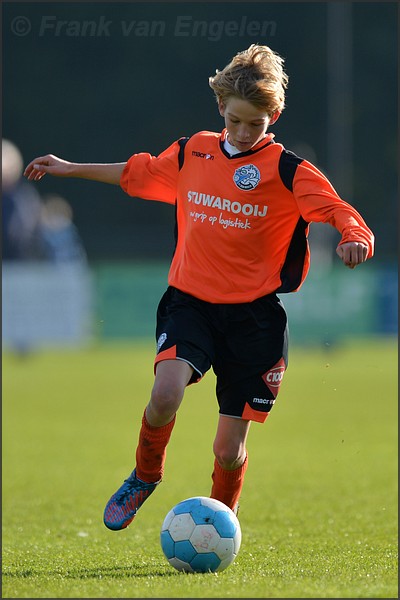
(99, 81)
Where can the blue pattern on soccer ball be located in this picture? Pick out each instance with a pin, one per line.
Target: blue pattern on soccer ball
(200, 535)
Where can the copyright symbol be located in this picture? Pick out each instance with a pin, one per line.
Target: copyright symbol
(21, 26)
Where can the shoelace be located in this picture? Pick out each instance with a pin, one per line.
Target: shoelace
(131, 484)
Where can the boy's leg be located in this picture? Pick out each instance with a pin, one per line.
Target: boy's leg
(158, 421)
(172, 376)
(231, 460)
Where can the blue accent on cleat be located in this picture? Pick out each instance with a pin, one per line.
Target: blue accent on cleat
(122, 507)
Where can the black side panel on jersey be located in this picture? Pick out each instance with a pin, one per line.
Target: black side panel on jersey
(181, 159)
(292, 269)
(181, 156)
(288, 164)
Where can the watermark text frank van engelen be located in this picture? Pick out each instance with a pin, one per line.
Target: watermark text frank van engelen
(184, 26)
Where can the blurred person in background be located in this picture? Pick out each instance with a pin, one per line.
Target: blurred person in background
(59, 236)
(21, 209)
(46, 282)
(34, 228)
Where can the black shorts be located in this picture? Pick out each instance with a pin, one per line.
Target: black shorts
(245, 344)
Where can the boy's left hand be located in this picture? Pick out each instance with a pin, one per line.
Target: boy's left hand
(352, 253)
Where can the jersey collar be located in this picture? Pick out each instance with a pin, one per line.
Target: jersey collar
(266, 141)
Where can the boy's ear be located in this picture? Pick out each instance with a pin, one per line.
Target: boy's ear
(221, 108)
(275, 117)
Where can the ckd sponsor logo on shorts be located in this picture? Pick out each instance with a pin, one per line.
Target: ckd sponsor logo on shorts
(247, 177)
(273, 377)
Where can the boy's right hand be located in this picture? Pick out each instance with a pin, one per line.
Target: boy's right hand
(51, 164)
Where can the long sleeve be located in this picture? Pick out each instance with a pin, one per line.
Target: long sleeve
(318, 201)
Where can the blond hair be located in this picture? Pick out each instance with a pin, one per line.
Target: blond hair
(255, 75)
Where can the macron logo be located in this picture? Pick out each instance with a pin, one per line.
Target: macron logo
(263, 401)
(202, 155)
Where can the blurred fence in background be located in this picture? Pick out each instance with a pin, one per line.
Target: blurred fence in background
(73, 305)
(46, 305)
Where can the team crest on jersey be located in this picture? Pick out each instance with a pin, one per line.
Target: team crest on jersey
(247, 177)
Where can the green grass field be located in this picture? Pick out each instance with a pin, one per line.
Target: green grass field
(319, 506)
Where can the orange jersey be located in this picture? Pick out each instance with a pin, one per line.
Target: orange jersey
(242, 220)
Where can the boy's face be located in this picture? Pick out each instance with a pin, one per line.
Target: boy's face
(246, 124)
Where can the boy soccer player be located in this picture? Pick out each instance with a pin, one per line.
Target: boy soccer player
(244, 205)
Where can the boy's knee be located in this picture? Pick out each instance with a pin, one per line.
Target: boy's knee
(229, 457)
(165, 398)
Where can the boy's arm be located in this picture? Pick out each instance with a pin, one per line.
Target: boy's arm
(105, 173)
(318, 201)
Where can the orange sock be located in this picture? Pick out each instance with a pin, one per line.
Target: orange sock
(151, 450)
(227, 485)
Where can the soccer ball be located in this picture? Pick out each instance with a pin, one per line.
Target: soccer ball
(200, 535)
